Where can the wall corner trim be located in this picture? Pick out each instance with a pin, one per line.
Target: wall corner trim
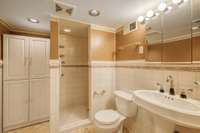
(54, 63)
(54, 95)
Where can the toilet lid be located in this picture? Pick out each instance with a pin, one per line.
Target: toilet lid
(107, 117)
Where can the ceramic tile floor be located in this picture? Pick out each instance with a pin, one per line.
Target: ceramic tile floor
(44, 128)
(73, 114)
(39, 128)
(91, 129)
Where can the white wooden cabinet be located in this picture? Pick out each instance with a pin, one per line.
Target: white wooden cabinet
(15, 57)
(16, 103)
(40, 99)
(39, 58)
(26, 89)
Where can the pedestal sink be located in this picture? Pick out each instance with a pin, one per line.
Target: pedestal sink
(169, 110)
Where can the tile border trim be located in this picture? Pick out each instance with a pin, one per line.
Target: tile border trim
(141, 64)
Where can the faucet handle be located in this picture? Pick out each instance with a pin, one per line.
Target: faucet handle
(161, 88)
(197, 83)
(169, 78)
(190, 90)
(183, 94)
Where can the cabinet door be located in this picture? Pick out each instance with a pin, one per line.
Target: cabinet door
(39, 58)
(15, 57)
(40, 99)
(15, 103)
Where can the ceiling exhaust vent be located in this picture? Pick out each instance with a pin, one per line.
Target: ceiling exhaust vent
(64, 9)
(130, 27)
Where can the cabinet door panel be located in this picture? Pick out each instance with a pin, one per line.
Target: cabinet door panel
(40, 99)
(15, 57)
(15, 106)
(39, 54)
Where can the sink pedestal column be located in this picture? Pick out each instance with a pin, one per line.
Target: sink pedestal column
(163, 125)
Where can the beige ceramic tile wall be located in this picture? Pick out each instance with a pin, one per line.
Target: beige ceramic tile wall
(74, 83)
(134, 79)
(102, 78)
(74, 87)
(75, 49)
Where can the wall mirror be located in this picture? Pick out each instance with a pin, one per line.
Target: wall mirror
(169, 35)
(196, 30)
(153, 37)
(177, 33)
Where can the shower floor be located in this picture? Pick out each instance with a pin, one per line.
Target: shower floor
(73, 114)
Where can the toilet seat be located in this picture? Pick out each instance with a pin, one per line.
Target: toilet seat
(107, 117)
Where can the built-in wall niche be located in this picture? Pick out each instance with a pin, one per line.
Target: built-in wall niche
(173, 36)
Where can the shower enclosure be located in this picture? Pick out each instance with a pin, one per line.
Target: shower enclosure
(74, 90)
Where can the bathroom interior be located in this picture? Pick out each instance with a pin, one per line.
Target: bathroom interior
(73, 66)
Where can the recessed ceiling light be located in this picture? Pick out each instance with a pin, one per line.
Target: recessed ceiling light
(33, 20)
(176, 1)
(162, 7)
(150, 13)
(141, 19)
(67, 30)
(94, 12)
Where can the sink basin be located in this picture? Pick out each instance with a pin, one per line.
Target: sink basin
(169, 110)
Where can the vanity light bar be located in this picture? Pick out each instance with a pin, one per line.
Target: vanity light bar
(162, 7)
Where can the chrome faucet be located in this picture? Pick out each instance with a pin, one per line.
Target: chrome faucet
(171, 81)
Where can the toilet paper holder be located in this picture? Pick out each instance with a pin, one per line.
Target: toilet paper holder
(99, 93)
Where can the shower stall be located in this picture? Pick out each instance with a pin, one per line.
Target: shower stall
(74, 89)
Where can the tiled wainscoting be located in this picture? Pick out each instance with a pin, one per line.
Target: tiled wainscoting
(144, 78)
(107, 76)
(102, 77)
(131, 78)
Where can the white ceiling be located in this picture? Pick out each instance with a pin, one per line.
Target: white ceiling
(15, 13)
(114, 13)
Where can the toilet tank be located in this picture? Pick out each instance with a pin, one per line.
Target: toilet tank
(124, 103)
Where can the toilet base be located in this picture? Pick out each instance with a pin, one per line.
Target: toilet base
(117, 128)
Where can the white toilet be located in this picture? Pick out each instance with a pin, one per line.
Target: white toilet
(110, 121)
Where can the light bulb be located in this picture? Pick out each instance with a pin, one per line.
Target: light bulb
(162, 7)
(157, 14)
(150, 13)
(169, 8)
(147, 19)
(141, 19)
(176, 1)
